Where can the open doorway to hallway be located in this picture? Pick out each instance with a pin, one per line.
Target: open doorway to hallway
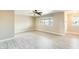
(72, 22)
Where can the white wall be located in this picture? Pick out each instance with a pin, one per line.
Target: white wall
(6, 24)
(57, 28)
(26, 23)
(23, 23)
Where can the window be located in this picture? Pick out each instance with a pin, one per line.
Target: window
(76, 20)
(47, 21)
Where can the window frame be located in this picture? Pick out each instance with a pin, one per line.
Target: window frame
(44, 23)
(77, 20)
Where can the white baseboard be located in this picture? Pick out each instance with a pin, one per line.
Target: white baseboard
(7, 39)
(51, 32)
(24, 31)
(73, 33)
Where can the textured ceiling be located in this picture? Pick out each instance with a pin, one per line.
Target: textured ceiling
(30, 12)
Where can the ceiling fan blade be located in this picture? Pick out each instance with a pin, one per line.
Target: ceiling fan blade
(37, 12)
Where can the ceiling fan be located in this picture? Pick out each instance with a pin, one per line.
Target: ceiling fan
(37, 12)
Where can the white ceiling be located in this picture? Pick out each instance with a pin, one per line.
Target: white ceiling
(30, 12)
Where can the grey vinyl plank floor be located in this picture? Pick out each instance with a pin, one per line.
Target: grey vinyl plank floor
(40, 40)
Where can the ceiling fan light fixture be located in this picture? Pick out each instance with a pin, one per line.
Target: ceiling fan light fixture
(37, 12)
